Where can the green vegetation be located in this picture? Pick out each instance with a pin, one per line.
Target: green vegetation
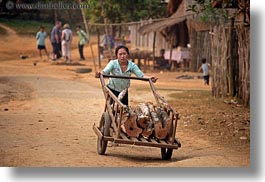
(110, 11)
(208, 13)
(2, 31)
(117, 11)
(25, 27)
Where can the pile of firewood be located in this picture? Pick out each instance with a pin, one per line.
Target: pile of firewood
(146, 120)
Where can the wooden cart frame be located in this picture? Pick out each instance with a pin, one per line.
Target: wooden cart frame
(111, 122)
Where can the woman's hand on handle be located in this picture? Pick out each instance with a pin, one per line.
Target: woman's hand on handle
(97, 74)
(154, 79)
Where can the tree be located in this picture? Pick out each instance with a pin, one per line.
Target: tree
(207, 11)
(216, 11)
(118, 11)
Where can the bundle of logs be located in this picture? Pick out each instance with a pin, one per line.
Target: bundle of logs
(147, 120)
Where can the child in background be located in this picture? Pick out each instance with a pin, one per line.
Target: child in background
(83, 39)
(41, 36)
(205, 67)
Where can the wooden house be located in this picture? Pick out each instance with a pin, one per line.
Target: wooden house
(226, 45)
(170, 34)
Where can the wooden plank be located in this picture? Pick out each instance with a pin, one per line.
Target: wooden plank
(140, 143)
(123, 136)
(134, 139)
(143, 139)
(177, 142)
(162, 141)
(153, 140)
(97, 131)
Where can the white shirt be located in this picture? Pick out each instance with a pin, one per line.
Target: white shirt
(205, 69)
(67, 35)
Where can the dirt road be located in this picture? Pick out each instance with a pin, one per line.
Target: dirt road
(47, 113)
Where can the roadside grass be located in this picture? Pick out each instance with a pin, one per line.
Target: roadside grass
(191, 94)
(214, 118)
(25, 27)
(2, 31)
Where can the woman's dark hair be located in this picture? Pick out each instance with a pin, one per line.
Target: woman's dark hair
(203, 60)
(121, 47)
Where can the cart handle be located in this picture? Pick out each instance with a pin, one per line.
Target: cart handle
(126, 77)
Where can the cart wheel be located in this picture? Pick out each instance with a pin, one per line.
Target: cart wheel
(166, 153)
(104, 126)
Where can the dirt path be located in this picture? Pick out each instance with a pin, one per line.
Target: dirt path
(9, 30)
(47, 113)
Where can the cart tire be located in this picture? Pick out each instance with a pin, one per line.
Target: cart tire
(166, 153)
(104, 126)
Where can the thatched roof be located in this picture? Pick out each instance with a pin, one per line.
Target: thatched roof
(179, 16)
(159, 25)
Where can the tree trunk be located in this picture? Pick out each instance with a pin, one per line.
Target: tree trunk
(55, 15)
(84, 17)
(146, 120)
(148, 131)
(161, 131)
(143, 121)
(129, 125)
(107, 32)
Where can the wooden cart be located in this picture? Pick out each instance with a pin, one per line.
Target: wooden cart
(109, 128)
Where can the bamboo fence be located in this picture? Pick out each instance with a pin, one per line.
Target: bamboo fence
(244, 63)
(230, 53)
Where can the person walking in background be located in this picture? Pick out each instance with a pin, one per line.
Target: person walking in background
(107, 41)
(41, 36)
(205, 67)
(83, 39)
(56, 40)
(67, 37)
